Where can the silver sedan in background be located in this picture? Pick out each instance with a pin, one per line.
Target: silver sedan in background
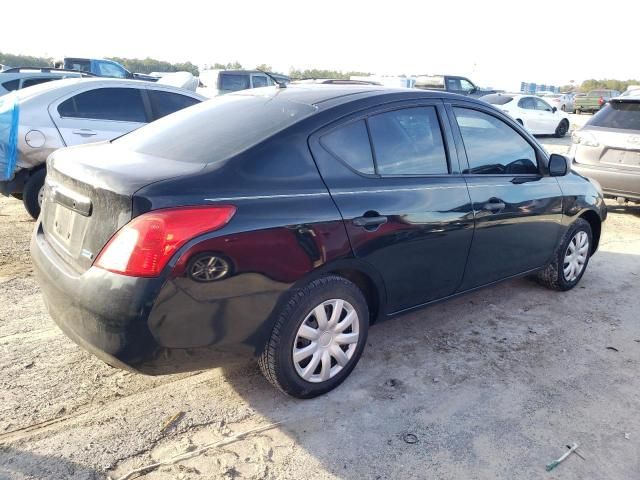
(37, 120)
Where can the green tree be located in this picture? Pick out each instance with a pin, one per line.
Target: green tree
(264, 68)
(12, 60)
(296, 74)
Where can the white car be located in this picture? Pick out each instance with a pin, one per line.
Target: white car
(35, 121)
(532, 112)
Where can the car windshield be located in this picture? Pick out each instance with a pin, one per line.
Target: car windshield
(622, 115)
(497, 99)
(217, 129)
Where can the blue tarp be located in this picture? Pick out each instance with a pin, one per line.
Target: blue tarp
(9, 112)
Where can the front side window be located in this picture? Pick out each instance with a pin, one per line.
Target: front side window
(165, 103)
(121, 104)
(107, 69)
(542, 105)
(234, 82)
(466, 85)
(492, 146)
(350, 143)
(408, 142)
(259, 81)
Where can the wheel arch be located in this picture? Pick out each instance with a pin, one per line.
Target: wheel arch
(363, 275)
(596, 226)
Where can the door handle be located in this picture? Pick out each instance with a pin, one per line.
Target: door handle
(84, 132)
(369, 222)
(494, 205)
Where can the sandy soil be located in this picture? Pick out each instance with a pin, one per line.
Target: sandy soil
(490, 385)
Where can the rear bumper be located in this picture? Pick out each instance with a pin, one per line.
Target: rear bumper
(109, 315)
(615, 183)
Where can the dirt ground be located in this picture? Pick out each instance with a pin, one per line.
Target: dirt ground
(490, 385)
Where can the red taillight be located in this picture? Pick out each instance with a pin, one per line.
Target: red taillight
(601, 100)
(144, 246)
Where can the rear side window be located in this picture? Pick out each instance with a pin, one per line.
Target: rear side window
(350, 143)
(492, 146)
(234, 82)
(35, 81)
(623, 115)
(11, 85)
(165, 103)
(119, 104)
(408, 142)
(82, 65)
(495, 99)
(527, 103)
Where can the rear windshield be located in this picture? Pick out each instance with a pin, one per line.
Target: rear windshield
(216, 129)
(497, 99)
(623, 115)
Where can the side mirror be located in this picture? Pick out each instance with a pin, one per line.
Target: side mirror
(554, 110)
(559, 165)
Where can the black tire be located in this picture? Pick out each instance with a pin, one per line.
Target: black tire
(17, 195)
(562, 129)
(563, 107)
(31, 192)
(552, 276)
(276, 361)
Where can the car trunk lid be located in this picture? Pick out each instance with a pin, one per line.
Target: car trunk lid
(88, 196)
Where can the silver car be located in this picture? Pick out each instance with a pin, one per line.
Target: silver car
(72, 112)
(607, 148)
(17, 78)
(562, 101)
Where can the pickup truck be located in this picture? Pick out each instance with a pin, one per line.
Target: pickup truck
(593, 101)
(101, 68)
(451, 83)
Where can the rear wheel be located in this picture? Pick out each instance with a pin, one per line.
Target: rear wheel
(318, 338)
(562, 129)
(570, 259)
(17, 195)
(563, 107)
(33, 192)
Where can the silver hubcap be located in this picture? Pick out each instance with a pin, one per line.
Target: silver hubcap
(326, 340)
(40, 195)
(576, 256)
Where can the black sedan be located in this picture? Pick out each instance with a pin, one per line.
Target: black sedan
(280, 223)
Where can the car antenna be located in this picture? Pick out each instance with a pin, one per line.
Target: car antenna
(279, 83)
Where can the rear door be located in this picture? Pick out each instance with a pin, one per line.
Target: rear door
(396, 181)
(548, 120)
(99, 114)
(517, 206)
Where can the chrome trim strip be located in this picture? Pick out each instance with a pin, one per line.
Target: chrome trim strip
(262, 197)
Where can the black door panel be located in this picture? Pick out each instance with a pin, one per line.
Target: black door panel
(414, 230)
(519, 236)
(517, 207)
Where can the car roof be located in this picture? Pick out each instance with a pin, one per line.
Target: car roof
(323, 95)
(61, 87)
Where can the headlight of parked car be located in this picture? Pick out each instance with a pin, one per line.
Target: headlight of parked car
(584, 138)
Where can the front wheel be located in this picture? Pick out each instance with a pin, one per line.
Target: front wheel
(570, 259)
(317, 339)
(33, 192)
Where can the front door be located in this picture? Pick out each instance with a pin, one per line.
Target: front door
(518, 209)
(405, 205)
(98, 114)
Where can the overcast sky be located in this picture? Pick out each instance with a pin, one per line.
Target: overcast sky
(496, 44)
